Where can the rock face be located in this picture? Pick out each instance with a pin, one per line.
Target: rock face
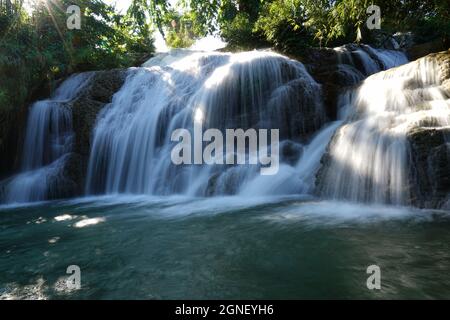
(429, 175)
(429, 141)
(85, 108)
(346, 66)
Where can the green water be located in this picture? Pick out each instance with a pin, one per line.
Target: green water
(222, 248)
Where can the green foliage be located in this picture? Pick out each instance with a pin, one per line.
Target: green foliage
(345, 20)
(204, 14)
(179, 39)
(182, 30)
(292, 24)
(283, 24)
(427, 19)
(37, 47)
(238, 32)
(148, 14)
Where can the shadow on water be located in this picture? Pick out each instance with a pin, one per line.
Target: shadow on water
(142, 247)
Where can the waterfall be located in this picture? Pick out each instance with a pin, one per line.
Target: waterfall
(363, 60)
(360, 157)
(368, 158)
(48, 141)
(296, 179)
(260, 90)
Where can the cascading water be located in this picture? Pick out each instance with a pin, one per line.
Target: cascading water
(259, 244)
(131, 147)
(368, 158)
(365, 60)
(48, 141)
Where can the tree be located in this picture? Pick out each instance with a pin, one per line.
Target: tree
(149, 14)
(37, 47)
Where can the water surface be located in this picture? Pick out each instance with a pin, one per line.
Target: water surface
(221, 248)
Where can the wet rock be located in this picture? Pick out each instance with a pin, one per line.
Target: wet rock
(429, 174)
(85, 108)
(301, 111)
(290, 152)
(428, 137)
(421, 50)
(405, 40)
(339, 68)
(212, 185)
(64, 184)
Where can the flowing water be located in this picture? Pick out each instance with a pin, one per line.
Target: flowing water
(222, 248)
(131, 141)
(369, 156)
(148, 229)
(48, 141)
(260, 90)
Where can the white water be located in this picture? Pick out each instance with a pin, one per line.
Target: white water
(366, 60)
(131, 148)
(48, 142)
(369, 155)
(131, 141)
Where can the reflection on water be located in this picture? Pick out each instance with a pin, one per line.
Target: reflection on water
(231, 247)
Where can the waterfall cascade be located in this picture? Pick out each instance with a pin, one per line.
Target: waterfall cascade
(48, 142)
(368, 159)
(362, 156)
(131, 147)
(366, 60)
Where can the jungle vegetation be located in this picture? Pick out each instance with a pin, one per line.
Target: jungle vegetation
(36, 47)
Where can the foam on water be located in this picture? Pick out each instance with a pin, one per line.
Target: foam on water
(368, 160)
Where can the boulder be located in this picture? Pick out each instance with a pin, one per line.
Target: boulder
(429, 170)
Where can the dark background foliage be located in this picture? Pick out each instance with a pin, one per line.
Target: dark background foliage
(36, 47)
